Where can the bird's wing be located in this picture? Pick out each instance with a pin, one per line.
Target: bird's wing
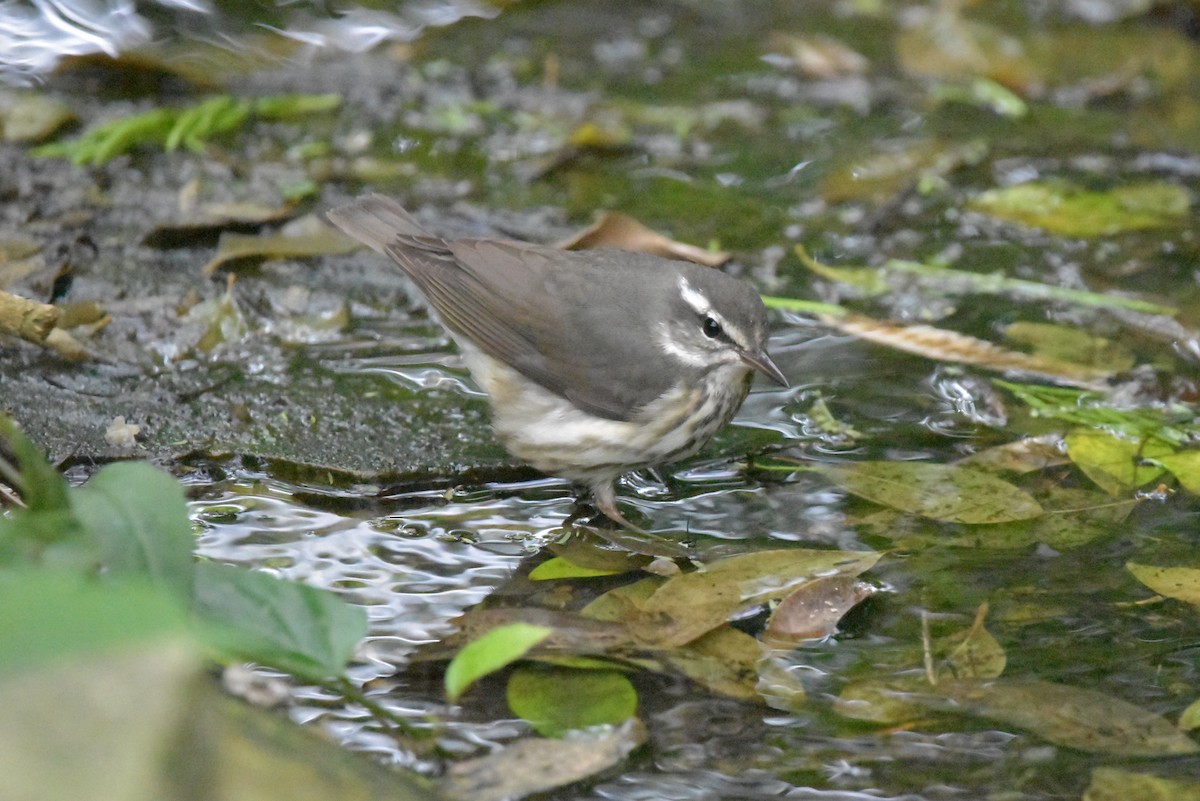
(547, 313)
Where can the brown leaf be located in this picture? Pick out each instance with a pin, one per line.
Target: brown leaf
(617, 230)
(814, 609)
(951, 346)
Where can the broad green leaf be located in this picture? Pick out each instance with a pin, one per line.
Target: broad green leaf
(948, 493)
(975, 653)
(306, 631)
(48, 615)
(1180, 583)
(1114, 784)
(1068, 210)
(46, 532)
(139, 519)
(1189, 719)
(1185, 466)
(690, 604)
(557, 700)
(42, 488)
(1069, 344)
(498, 648)
(1116, 464)
(1070, 716)
(623, 603)
(558, 568)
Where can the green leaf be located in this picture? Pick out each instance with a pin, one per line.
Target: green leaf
(1069, 210)
(496, 649)
(287, 107)
(45, 532)
(1071, 716)
(306, 631)
(1180, 583)
(42, 488)
(51, 614)
(689, 605)
(948, 493)
(1114, 784)
(1116, 464)
(137, 515)
(557, 700)
(559, 568)
(1185, 466)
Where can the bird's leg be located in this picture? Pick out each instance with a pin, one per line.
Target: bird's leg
(605, 496)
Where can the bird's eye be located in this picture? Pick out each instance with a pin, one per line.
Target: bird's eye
(712, 329)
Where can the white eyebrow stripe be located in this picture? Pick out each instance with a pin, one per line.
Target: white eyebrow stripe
(693, 297)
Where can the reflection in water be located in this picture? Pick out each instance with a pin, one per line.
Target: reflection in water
(35, 36)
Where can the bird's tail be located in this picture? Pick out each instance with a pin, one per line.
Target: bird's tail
(376, 221)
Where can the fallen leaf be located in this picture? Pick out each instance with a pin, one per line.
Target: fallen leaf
(1070, 716)
(1180, 583)
(1113, 784)
(535, 765)
(949, 493)
(1068, 210)
(616, 230)
(1117, 465)
(557, 700)
(691, 604)
(950, 346)
(813, 610)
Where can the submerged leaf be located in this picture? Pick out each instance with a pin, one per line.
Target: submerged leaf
(951, 346)
(1113, 784)
(1116, 464)
(949, 493)
(1180, 583)
(1071, 211)
(557, 700)
(691, 604)
(535, 765)
(559, 568)
(814, 609)
(234, 247)
(1185, 466)
(1070, 716)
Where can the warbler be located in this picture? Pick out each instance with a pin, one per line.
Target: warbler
(595, 362)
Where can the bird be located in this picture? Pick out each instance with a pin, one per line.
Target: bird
(595, 362)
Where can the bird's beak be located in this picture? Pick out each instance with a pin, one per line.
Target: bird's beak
(760, 361)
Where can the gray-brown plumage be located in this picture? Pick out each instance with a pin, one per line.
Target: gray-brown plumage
(596, 362)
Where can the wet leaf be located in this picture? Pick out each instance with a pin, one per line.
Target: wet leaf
(1180, 583)
(950, 346)
(1068, 344)
(1185, 466)
(1114, 784)
(1116, 464)
(235, 247)
(1173, 423)
(819, 56)
(498, 648)
(1072, 211)
(691, 604)
(1028, 455)
(557, 700)
(1069, 716)
(723, 661)
(254, 616)
(944, 44)
(813, 610)
(934, 278)
(1189, 720)
(587, 549)
(623, 603)
(975, 653)
(889, 703)
(616, 230)
(559, 568)
(534, 765)
(137, 515)
(942, 492)
(878, 177)
(31, 117)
